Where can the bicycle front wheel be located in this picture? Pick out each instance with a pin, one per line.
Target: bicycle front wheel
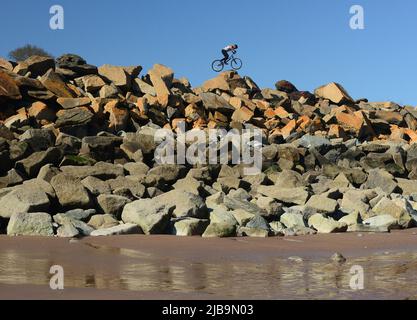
(217, 65)
(236, 64)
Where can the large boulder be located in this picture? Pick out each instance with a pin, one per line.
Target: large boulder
(122, 229)
(285, 86)
(322, 203)
(161, 78)
(326, 225)
(152, 217)
(290, 195)
(8, 87)
(400, 209)
(24, 198)
(30, 224)
(189, 226)
(38, 139)
(214, 102)
(76, 64)
(293, 220)
(333, 92)
(74, 117)
(54, 83)
(120, 76)
(32, 164)
(70, 192)
(185, 204)
(101, 170)
(103, 221)
(39, 65)
(112, 204)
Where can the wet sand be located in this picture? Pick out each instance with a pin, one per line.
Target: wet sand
(167, 267)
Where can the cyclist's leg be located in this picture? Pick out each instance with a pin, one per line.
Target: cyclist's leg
(226, 56)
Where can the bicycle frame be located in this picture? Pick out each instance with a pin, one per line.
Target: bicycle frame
(231, 57)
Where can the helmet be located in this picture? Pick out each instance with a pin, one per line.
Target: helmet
(236, 46)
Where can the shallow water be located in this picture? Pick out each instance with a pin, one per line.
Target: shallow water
(386, 275)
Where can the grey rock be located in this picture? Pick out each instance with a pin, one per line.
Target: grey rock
(382, 221)
(77, 214)
(67, 231)
(189, 226)
(73, 117)
(101, 170)
(151, 216)
(219, 230)
(213, 102)
(122, 229)
(70, 192)
(136, 168)
(322, 203)
(252, 232)
(291, 195)
(38, 139)
(326, 225)
(102, 221)
(379, 178)
(96, 186)
(185, 204)
(30, 224)
(189, 185)
(25, 198)
(12, 178)
(293, 220)
(112, 204)
(32, 164)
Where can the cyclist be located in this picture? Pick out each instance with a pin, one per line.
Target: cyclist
(226, 50)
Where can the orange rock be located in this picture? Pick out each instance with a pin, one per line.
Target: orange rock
(288, 129)
(42, 113)
(303, 122)
(8, 87)
(336, 131)
(333, 92)
(269, 113)
(219, 117)
(220, 82)
(350, 120)
(411, 134)
(5, 64)
(200, 124)
(21, 118)
(396, 133)
(236, 102)
(242, 115)
(54, 83)
(271, 124)
(161, 78)
(118, 117)
(261, 104)
(281, 112)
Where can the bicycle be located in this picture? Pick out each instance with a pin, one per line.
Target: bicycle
(235, 63)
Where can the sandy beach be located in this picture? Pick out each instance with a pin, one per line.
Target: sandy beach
(167, 267)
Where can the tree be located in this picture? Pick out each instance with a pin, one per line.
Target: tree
(27, 51)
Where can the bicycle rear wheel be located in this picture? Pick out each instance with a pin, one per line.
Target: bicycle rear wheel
(217, 65)
(236, 64)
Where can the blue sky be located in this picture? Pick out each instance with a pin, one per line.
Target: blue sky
(306, 42)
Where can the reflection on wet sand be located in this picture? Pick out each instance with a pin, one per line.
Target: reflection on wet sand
(386, 275)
